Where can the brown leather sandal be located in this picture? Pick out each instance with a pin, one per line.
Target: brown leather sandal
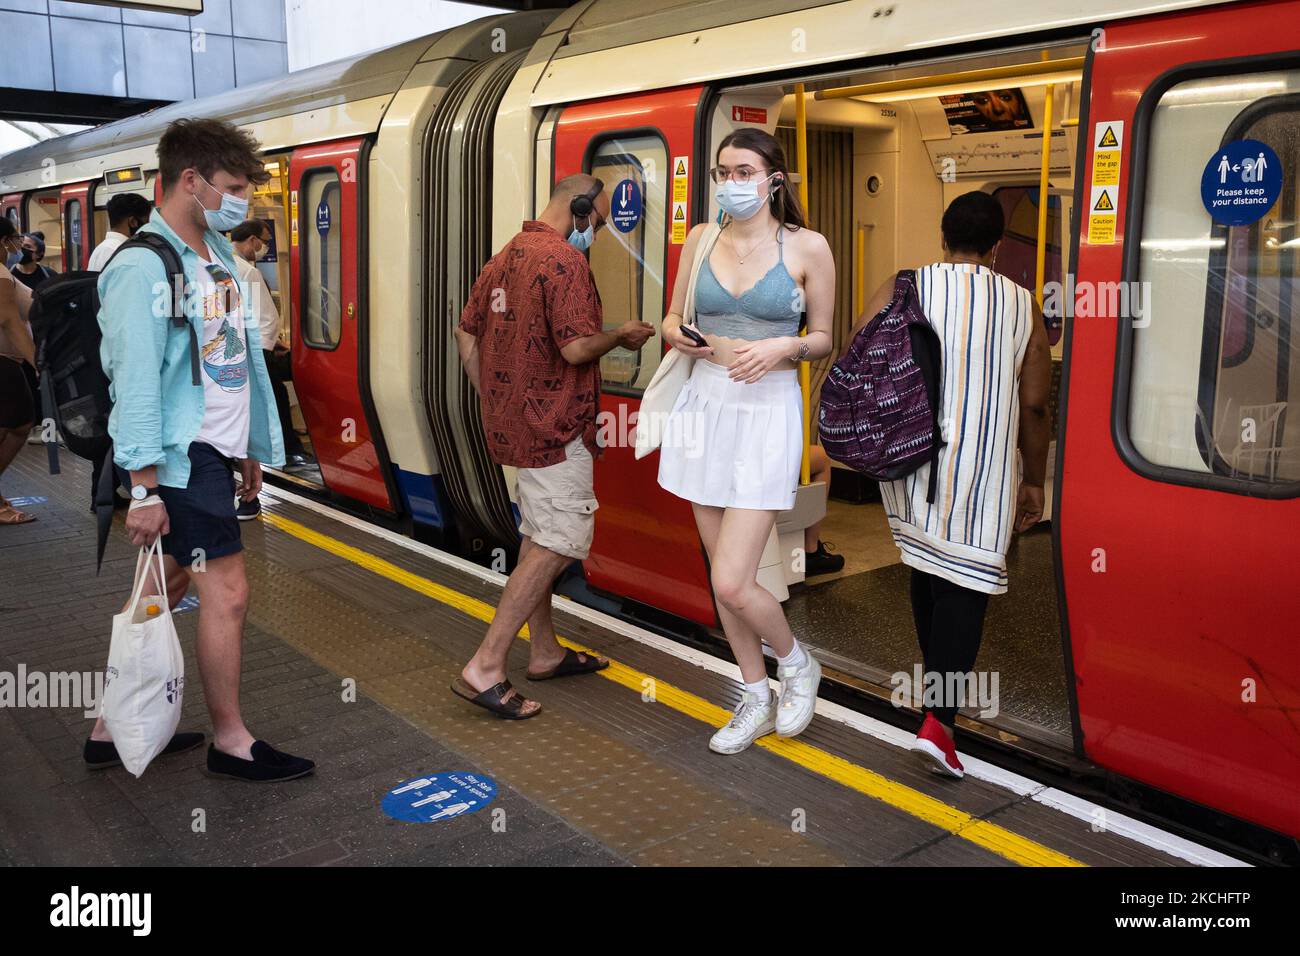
(11, 515)
(502, 699)
(573, 663)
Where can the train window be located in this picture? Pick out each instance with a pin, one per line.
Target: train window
(321, 259)
(73, 229)
(1215, 364)
(628, 259)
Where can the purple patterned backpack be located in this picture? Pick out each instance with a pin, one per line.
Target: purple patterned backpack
(880, 402)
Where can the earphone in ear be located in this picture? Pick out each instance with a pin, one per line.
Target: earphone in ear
(582, 206)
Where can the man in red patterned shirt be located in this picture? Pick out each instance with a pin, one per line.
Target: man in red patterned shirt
(531, 338)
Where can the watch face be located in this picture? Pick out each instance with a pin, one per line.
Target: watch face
(139, 492)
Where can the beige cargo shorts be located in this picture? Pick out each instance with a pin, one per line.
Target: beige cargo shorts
(557, 504)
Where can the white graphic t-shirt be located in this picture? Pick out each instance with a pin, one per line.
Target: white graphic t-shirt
(223, 353)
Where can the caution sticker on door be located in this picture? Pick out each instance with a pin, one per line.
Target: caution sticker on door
(679, 223)
(681, 164)
(1101, 215)
(1107, 148)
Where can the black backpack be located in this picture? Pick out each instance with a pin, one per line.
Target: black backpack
(74, 389)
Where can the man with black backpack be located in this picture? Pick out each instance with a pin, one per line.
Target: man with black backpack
(191, 404)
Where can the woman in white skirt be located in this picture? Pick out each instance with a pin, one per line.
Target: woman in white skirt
(733, 441)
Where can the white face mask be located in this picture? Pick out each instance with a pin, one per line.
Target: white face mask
(232, 212)
(741, 200)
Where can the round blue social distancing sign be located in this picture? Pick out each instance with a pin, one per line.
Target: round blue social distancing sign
(625, 206)
(439, 796)
(1241, 182)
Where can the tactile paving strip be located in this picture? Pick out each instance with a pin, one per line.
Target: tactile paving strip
(637, 807)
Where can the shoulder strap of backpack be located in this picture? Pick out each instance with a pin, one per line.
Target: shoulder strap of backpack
(176, 281)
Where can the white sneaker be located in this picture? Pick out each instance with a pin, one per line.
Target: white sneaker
(798, 697)
(753, 719)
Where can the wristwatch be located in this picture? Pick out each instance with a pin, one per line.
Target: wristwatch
(141, 492)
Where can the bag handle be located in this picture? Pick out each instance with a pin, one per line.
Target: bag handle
(142, 563)
(707, 241)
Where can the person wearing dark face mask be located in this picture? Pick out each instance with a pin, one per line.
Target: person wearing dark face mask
(28, 269)
(127, 212)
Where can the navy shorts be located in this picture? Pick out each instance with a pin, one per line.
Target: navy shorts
(202, 514)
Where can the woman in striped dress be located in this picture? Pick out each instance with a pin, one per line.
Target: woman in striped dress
(996, 375)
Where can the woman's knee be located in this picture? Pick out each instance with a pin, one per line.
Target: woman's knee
(730, 589)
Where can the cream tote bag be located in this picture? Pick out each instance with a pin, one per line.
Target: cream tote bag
(144, 686)
(675, 368)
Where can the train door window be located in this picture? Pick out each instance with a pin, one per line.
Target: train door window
(74, 224)
(270, 204)
(321, 259)
(43, 217)
(628, 258)
(1215, 365)
(99, 210)
(12, 214)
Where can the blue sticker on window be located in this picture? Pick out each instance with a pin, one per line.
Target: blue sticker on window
(323, 217)
(1241, 182)
(625, 206)
(439, 796)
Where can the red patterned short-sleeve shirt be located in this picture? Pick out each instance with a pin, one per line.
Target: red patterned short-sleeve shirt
(534, 296)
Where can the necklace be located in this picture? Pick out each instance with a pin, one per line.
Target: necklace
(736, 249)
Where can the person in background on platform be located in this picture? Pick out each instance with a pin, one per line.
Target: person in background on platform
(182, 443)
(531, 336)
(29, 270)
(251, 239)
(127, 212)
(996, 369)
(745, 409)
(17, 354)
(819, 556)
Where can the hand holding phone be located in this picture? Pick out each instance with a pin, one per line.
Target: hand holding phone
(694, 336)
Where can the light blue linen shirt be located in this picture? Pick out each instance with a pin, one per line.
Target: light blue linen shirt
(157, 408)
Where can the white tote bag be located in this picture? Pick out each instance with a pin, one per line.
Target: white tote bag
(675, 368)
(146, 670)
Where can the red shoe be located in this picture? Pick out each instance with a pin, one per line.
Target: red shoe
(935, 749)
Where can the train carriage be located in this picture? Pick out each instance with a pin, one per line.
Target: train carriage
(1148, 634)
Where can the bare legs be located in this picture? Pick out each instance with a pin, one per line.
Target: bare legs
(734, 539)
(527, 597)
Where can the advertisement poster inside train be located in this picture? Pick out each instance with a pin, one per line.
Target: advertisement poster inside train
(988, 111)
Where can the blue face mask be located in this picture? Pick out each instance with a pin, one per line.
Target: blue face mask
(582, 240)
(233, 211)
(740, 200)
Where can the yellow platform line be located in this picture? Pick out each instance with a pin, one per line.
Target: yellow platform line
(990, 836)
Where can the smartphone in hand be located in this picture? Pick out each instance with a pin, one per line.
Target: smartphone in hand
(694, 336)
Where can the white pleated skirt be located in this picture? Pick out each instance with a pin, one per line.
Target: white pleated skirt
(734, 445)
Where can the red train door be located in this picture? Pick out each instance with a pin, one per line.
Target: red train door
(330, 372)
(643, 148)
(1181, 465)
(75, 214)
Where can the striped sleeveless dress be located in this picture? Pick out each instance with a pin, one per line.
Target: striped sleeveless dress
(983, 321)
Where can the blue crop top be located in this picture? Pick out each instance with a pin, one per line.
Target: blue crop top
(764, 311)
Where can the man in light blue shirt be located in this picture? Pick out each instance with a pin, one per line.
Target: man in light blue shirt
(181, 441)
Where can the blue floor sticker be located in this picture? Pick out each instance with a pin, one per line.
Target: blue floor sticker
(28, 501)
(439, 796)
(188, 603)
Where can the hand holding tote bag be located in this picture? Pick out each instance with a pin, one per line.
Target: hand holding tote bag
(675, 368)
(146, 670)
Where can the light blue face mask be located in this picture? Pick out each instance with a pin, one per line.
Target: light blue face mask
(582, 240)
(741, 200)
(233, 211)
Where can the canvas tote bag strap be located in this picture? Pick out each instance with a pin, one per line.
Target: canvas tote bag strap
(143, 568)
(707, 241)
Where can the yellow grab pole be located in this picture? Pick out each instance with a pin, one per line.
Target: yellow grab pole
(1040, 259)
(805, 376)
(860, 298)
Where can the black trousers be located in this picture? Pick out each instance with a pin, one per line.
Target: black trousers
(949, 625)
(292, 443)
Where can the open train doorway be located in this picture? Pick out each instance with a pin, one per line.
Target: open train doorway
(886, 152)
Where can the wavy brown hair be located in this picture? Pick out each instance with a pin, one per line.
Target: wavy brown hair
(784, 202)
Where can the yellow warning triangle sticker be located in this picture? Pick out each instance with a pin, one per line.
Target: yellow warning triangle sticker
(680, 213)
(1108, 138)
(681, 168)
(1104, 204)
